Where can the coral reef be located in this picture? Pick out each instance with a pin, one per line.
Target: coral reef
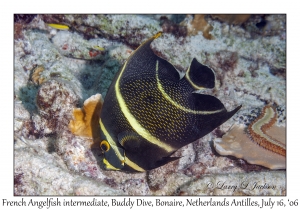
(264, 144)
(125, 28)
(23, 18)
(20, 22)
(233, 19)
(198, 23)
(46, 174)
(74, 46)
(168, 26)
(56, 71)
(55, 100)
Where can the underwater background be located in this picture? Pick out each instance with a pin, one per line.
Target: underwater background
(58, 67)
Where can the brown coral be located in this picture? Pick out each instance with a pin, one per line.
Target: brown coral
(200, 24)
(36, 75)
(233, 19)
(86, 119)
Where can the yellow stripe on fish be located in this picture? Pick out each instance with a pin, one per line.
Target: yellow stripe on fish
(160, 87)
(134, 123)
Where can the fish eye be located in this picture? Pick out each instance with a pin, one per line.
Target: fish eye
(104, 145)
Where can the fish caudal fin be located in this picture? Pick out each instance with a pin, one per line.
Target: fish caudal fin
(228, 115)
(231, 113)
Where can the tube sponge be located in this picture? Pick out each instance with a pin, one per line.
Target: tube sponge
(86, 119)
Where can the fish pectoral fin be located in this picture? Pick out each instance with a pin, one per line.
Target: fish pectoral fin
(129, 140)
(200, 76)
(165, 160)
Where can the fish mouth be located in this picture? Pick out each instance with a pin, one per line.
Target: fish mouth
(109, 166)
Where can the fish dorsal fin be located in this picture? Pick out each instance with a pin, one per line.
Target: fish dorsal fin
(143, 51)
(200, 76)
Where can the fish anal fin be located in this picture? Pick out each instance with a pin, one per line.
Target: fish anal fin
(206, 102)
(200, 76)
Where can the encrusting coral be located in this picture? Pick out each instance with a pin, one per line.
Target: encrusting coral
(36, 75)
(239, 144)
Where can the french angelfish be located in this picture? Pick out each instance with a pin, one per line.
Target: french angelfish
(149, 112)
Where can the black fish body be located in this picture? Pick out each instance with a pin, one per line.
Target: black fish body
(149, 112)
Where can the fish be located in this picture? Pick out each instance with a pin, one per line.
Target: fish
(149, 112)
(58, 26)
(96, 47)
